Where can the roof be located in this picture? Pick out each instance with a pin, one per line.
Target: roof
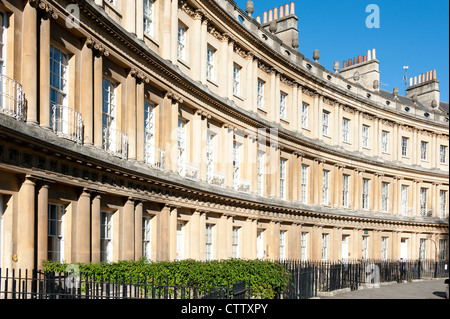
(443, 106)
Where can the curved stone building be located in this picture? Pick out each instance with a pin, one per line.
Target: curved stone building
(191, 129)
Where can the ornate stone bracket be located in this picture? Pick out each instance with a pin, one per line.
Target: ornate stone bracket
(97, 47)
(44, 9)
(139, 76)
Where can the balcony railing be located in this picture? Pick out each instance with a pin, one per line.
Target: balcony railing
(217, 179)
(12, 99)
(67, 123)
(115, 142)
(242, 186)
(189, 171)
(155, 156)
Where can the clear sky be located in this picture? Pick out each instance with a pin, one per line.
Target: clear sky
(413, 32)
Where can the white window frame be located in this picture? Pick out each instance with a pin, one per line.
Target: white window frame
(405, 146)
(260, 173)
(423, 201)
(236, 79)
(210, 58)
(149, 17)
(180, 240)
(345, 190)
(324, 246)
(149, 132)
(147, 237)
(365, 136)
(181, 42)
(325, 123)
(283, 244)
(56, 231)
(384, 248)
(109, 114)
(106, 236)
(283, 106)
(304, 121)
(365, 193)
(423, 150)
(384, 196)
(422, 249)
(283, 167)
(181, 145)
(365, 247)
(404, 200)
(346, 130)
(210, 138)
(442, 203)
(235, 242)
(59, 90)
(304, 246)
(260, 94)
(443, 154)
(385, 141)
(237, 147)
(304, 184)
(209, 242)
(442, 249)
(325, 186)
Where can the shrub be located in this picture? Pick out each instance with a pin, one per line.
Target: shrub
(267, 278)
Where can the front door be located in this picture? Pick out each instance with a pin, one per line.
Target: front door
(344, 247)
(404, 249)
(260, 244)
(180, 241)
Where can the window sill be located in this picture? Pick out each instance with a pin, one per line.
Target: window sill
(284, 120)
(184, 63)
(151, 39)
(212, 82)
(238, 97)
(262, 110)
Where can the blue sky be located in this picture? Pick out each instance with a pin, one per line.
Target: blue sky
(411, 31)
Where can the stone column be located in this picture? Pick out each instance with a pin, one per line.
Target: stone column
(173, 27)
(140, 93)
(26, 219)
(163, 234)
(30, 60)
(130, 114)
(173, 233)
(169, 134)
(138, 213)
(95, 228)
(127, 225)
(166, 33)
(139, 20)
(98, 101)
(87, 93)
(194, 235)
(42, 225)
(44, 73)
(83, 227)
(196, 46)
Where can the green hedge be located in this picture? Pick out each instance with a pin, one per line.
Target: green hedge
(267, 278)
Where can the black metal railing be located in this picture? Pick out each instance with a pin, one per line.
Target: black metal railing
(17, 284)
(310, 277)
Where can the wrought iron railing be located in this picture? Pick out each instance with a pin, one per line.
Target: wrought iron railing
(12, 98)
(115, 142)
(67, 123)
(155, 156)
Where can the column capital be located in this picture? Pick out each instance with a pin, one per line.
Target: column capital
(139, 76)
(44, 9)
(97, 47)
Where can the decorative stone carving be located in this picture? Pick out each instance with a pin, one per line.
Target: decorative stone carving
(44, 9)
(97, 47)
(139, 76)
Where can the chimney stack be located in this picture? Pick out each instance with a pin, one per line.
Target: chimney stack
(425, 87)
(286, 23)
(367, 67)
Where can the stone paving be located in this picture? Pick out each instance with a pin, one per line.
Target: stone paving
(425, 289)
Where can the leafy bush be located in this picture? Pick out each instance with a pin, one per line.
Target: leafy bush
(267, 278)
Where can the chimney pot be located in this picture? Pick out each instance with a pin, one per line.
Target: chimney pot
(434, 74)
(275, 13)
(286, 9)
(258, 19)
(415, 80)
(270, 15)
(373, 54)
(410, 81)
(355, 60)
(349, 62)
(344, 64)
(292, 7)
(281, 11)
(420, 78)
(369, 55)
(359, 58)
(265, 17)
(364, 58)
